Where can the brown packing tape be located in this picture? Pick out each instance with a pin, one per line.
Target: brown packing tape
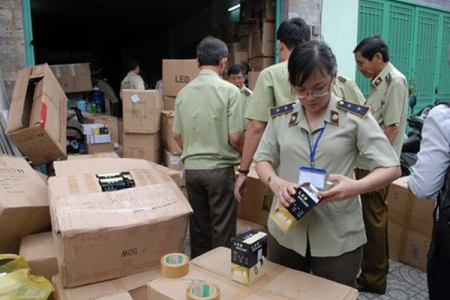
(203, 291)
(174, 265)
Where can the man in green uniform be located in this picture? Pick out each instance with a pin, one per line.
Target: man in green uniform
(388, 100)
(133, 81)
(236, 75)
(272, 89)
(208, 126)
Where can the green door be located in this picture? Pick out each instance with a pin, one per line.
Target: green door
(418, 38)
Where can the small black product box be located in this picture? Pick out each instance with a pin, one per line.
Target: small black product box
(248, 256)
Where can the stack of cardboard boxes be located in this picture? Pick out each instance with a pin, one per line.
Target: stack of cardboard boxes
(177, 73)
(104, 238)
(142, 124)
(252, 40)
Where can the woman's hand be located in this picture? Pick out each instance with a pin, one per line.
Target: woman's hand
(343, 189)
(283, 190)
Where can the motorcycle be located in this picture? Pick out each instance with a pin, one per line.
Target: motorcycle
(411, 141)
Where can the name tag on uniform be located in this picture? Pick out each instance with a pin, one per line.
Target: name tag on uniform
(316, 177)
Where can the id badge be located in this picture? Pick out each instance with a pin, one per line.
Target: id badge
(316, 177)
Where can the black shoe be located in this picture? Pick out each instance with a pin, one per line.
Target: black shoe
(367, 289)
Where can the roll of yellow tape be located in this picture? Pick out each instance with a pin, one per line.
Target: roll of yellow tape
(174, 265)
(203, 291)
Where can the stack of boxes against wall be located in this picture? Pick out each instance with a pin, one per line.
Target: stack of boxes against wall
(251, 41)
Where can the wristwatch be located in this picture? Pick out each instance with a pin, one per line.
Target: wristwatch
(245, 172)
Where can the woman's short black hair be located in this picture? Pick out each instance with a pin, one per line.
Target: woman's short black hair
(308, 57)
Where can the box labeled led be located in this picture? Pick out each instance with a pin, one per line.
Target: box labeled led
(248, 256)
(304, 201)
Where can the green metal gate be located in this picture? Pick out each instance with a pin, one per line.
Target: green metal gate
(418, 38)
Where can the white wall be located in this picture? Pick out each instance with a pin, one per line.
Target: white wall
(339, 30)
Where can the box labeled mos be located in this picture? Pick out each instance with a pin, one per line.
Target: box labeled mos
(248, 256)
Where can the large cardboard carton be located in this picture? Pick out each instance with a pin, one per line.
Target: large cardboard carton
(177, 73)
(169, 102)
(168, 141)
(255, 206)
(142, 111)
(117, 296)
(262, 38)
(176, 176)
(45, 139)
(135, 284)
(93, 156)
(73, 78)
(173, 162)
(243, 225)
(99, 148)
(105, 235)
(252, 78)
(410, 223)
(39, 252)
(278, 283)
(259, 63)
(23, 203)
(145, 146)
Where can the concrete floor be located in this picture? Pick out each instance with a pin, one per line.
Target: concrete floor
(404, 283)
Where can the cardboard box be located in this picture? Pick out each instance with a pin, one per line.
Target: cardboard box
(252, 78)
(175, 175)
(259, 63)
(133, 284)
(73, 78)
(145, 146)
(111, 154)
(105, 235)
(117, 296)
(39, 252)
(168, 141)
(248, 256)
(410, 223)
(177, 73)
(262, 38)
(44, 141)
(120, 131)
(242, 225)
(23, 203)
(278, 283)
(255, 206)
(142, 111)
(109, 121)
(99, 148)
(173, 162)
(169, 102)
(263, 9)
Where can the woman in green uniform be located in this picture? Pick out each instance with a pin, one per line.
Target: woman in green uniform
(317, 139)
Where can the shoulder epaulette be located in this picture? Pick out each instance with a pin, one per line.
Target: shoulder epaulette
(281, 110)
(342, 79)
(246, 92)
(356, 109)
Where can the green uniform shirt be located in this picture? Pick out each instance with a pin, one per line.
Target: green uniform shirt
(347, 89)
(207, 111)
(244, 100)
(389, 104)
(272, 89)
(337, 227)
(132, 81)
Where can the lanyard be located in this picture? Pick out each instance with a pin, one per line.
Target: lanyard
(312, 150)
